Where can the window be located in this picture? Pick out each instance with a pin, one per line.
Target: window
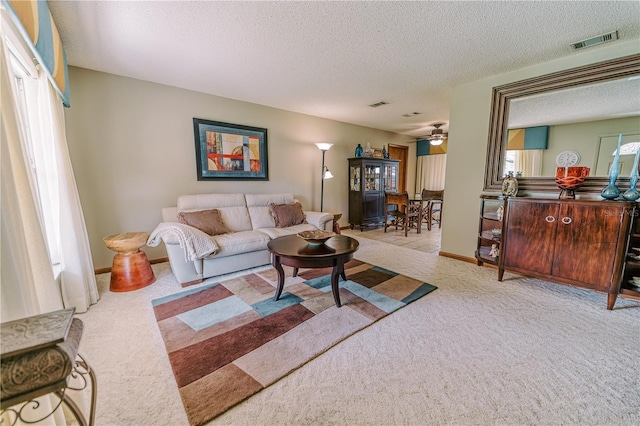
(37, 147)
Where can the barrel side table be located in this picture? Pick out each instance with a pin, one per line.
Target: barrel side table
(336, 226)
(131, 269)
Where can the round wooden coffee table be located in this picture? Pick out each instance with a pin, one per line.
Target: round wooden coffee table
(293, 251)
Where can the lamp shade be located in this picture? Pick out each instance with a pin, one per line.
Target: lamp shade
(327, 173)
(323, 146)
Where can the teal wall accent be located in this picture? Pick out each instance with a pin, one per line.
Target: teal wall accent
(423, 147)
(536, 137)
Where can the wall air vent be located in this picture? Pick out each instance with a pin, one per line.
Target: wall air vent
(593, 41)
(377, 104)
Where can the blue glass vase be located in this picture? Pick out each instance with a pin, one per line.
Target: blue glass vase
(359, 151)
(611, 191)
(632, 193)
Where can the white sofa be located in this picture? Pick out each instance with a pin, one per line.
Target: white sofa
(194, 255)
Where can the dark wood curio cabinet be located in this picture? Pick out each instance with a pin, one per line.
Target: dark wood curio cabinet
(578, 242)
(368, 179)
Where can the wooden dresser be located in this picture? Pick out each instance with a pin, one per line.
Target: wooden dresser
(578, 242)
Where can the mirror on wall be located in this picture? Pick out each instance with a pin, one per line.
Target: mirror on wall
(578, 113)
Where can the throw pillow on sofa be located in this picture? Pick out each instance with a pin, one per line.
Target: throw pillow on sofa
(208, 221)
(287, 214)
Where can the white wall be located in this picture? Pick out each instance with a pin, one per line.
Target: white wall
(132, 147)
(584, 138)
(468, 136)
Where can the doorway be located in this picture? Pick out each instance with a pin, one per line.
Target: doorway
(400, 152)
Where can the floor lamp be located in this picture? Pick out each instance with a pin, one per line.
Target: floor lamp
(326, 174)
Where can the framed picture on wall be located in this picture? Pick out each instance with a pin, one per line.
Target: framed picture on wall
(230, 151)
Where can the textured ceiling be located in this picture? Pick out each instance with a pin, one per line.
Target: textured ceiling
(604, 100)
(332, 59)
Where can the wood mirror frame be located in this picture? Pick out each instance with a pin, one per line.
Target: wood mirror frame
(502, 95)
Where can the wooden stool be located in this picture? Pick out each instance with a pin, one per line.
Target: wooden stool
(131, 269)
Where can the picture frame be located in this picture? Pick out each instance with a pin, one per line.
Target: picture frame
(226, 151)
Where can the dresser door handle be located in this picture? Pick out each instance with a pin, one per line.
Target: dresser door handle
(566, 220)
(550, 219)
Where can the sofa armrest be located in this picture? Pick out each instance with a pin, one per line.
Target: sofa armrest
(195, 243)
(320, 220)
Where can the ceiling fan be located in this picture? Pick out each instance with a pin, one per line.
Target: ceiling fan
(437, 135)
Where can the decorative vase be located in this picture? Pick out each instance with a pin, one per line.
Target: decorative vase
(611, 191)
(359, 151)
(509, 185)
(368, 151)
(632, 193)
(385, 154)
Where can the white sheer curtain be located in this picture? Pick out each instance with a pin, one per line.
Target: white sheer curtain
(430, 170)
(77, 279)
(27, 283)
(529, 162)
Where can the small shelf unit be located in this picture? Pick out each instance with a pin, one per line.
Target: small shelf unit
(632, 266)
(492, 208)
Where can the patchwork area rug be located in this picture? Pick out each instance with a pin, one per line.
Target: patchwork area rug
(228, 340)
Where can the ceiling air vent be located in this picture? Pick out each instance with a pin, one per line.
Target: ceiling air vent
(411, 114)
(377, 104)
(593, 41)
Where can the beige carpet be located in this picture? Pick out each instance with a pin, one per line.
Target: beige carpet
(474, 352)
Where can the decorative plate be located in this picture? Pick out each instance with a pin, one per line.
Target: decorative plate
(316, 236)
(567, 159)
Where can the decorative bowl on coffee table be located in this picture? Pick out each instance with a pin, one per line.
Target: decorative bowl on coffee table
(316, 237)
(569, 179)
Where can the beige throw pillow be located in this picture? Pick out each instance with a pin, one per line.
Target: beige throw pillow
(287, 214)
(208, 221)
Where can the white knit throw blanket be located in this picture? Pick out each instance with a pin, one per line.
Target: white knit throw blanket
(195, 243)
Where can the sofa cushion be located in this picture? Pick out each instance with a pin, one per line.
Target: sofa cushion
(286, 215)
(208, 221)
(232, 207)
(259, 211)
(240, 242)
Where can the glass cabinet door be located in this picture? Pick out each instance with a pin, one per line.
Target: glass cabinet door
(354, 178)
(372, 177)
(390, 177)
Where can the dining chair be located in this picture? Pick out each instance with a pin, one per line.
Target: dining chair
(400, 212)
(432, 210)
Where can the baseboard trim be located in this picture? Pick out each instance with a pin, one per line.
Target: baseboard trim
(152, 261)
(457, 257)
(466, 259)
